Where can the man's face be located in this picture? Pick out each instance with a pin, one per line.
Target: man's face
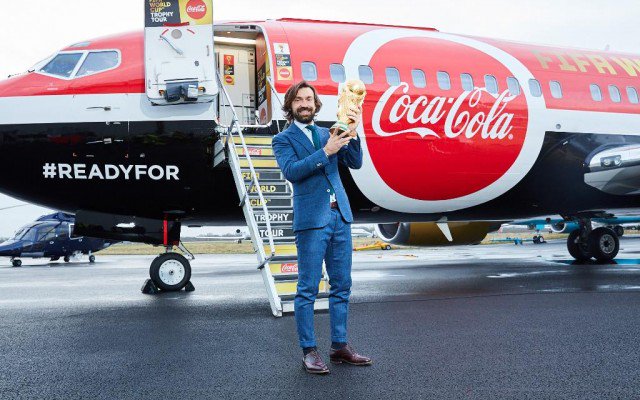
(303, 106)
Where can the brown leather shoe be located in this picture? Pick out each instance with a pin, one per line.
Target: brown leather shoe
(313, 363)
(348, 354)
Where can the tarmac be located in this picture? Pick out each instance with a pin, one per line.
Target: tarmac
(465, 322)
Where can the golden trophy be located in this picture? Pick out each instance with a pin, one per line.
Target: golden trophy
(351, 95)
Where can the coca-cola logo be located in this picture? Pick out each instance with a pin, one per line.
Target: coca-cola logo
(196, 9)
(434, 148)
(289, 268)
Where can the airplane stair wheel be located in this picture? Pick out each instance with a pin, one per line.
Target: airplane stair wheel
(170, 271)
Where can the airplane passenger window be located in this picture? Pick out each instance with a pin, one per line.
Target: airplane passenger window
(467, 82)
(366, 74)
(418, 77)
(535, 88)
(596, 93)
(513, 85)
(98, 61)
(491, 83)
(62, 65)
(614, 93)
(632, 93)
(309, 71)
(337, 73)
(393, 76)
(556, 89)
(444, 81)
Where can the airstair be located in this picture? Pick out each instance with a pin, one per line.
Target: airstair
(266, 198)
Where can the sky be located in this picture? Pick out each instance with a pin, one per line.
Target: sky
(32, 30)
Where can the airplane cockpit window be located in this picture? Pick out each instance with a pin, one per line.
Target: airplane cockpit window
(444, 81)
(62, 65)
(467, 82)
(27, 233)
(97, 62)
(535, 88)
(393, 76)
(366, 74)
(632, 93)
(309, 71)
(596, 93)
(556, 89)
(337, 73)
(491, 84)
(419, 78)
(614, 93)
(513, 85)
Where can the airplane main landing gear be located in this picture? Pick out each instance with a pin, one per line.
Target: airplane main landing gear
(169, 272)
(601, 243)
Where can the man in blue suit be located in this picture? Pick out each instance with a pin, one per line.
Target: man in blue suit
(308, 156)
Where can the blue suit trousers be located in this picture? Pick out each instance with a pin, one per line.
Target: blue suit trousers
(333, 244)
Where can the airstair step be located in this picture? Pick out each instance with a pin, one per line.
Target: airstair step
(286, 268)
(271, 203)
(289, 297)
(260, 163)
(253, 140)
(255, 151)
(269, 189)
(276, 217)
(288, 288)
(283, 249)
(264, 175)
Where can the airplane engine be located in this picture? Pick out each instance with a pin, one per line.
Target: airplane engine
(429, 234)
(564, 227)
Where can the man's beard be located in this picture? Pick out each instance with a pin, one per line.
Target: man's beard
(303, 119)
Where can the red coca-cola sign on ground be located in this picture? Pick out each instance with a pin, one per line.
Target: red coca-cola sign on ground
(435, 143)
(196, 9)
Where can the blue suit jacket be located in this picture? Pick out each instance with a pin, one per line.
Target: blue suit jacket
(309, 170)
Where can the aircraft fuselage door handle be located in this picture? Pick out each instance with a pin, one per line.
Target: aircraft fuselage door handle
(105, 108)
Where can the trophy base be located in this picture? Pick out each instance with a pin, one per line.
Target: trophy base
(338, 128)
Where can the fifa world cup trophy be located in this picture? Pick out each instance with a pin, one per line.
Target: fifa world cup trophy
(351, 96)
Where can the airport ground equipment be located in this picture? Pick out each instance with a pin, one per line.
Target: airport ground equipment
(267, 203)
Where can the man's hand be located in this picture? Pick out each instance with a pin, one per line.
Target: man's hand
(355, 114)
(335, 142)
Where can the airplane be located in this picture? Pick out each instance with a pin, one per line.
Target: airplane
(50, 236)
(460, 134)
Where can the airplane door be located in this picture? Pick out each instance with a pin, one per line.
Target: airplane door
(179, 53)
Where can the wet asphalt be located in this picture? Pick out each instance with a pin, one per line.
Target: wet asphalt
(468, 322)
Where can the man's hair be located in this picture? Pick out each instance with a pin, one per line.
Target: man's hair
(291, 94)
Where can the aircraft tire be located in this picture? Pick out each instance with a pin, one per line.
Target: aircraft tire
(16, 263)
(387, 247)
(170, 271)
(604, 244)
(67, 258)
(92, 259)
(579, 251)
(618, 230)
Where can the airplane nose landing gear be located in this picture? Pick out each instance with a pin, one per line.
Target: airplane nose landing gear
(601, 243)
(170, 272)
